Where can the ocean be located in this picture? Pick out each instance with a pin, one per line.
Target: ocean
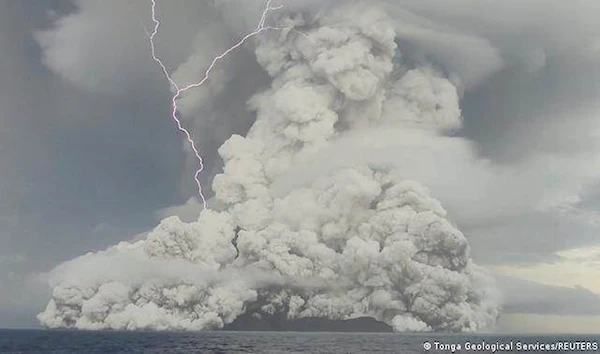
(51, 341)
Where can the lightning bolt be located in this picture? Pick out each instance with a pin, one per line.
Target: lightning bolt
(179, 91)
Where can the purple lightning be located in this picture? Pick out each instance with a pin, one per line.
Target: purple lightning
(180, 91)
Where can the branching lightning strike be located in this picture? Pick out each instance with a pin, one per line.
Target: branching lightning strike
(179, 91)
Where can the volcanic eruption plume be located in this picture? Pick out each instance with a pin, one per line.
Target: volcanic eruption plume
(359, 240)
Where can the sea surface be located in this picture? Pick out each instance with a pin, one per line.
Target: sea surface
(47, 341)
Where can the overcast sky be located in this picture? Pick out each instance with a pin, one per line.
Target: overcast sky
(89, 156)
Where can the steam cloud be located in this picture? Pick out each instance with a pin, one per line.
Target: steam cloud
(359, 241)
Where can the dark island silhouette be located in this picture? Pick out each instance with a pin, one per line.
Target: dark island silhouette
(279, 322)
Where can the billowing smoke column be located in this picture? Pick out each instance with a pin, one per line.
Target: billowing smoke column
(360, 241)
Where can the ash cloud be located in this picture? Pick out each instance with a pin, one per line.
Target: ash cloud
(357, 241)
